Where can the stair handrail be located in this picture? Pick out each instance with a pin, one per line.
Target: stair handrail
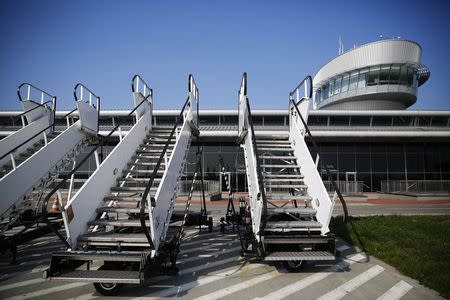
(43, 104)
(83, 87)
(193, 92)
(243, 91)
(135, 85)
(103, 140)
(308, 91)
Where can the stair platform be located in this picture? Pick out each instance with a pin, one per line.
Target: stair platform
(299, 255)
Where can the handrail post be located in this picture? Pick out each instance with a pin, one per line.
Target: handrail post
(13, 161)
(45, 138)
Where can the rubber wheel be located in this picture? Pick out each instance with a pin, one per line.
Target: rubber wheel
(107, 289)
(294, 265)
(222, 227)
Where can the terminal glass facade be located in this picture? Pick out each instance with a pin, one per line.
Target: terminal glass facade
(392, 74)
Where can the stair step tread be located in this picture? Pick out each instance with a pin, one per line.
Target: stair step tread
(122, 198)
(295, 239)
(128, 210)
(114, 237)
(299, 255)
(293, 210)
(130, 179)
(152, 151)
(276, 149)
(268, 175)
(293, 224)
(101, 255)
(270, 180)
(276, 157)
(286, 186)
(130, 188)
(287, 197)
(281, 166)
(120, 223)
(116, 276)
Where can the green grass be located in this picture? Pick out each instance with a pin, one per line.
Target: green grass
(417, 246)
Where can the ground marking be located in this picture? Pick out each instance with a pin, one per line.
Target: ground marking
(352, 284)
(396, 292)
(51, 290)
(305, 282)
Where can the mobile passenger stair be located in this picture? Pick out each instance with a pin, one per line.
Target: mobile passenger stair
(33, 157)
(118, 224)
(289, 207)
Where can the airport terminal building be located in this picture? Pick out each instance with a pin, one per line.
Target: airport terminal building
(367, 138)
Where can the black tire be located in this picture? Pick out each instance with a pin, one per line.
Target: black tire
(222, 227)
(107, 289)
(294, 265)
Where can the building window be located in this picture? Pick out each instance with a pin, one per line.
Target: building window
(353, 81)
(363, 78)
(394, 74)
(384, 74)
(374, 76)
(337, 85)
(344, 86)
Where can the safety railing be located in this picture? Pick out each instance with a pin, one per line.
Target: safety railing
(83, 90)
(69, 175)
(139, 85)
(193, 96)
(262, 193)
(416, 187)
(31, 89)
(295, 100)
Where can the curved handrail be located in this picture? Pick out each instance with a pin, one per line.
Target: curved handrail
(315, 146)
(296, 90)
(68, 175)
(243, 91)
(91, 93)
(29, 91)
(135, 85)
(192, 87)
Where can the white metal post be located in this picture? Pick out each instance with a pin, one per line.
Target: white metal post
(120, 133)
(42, 98)
(23, 120)
(13, 161)
(45, 138)
(72, 177)
(81, 92)
(28, 92)
(97, 159)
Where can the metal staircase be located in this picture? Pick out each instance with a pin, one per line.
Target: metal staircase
(290, 208)
(127, 237)
(38, 155)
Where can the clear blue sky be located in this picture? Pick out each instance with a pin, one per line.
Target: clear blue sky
(55, 44)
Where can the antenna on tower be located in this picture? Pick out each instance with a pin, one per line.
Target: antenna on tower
(341, 46)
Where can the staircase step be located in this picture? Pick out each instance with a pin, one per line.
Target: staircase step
(276, 149)
(156, 146)
(111, 238)
(100, 255)
(105, 276)
(124, 210)
(286, 186)
(132, 199)
(287, 197)
(148, 173)
(299, 255)
(281, 166)
(272, 141)
(283, 157)
(288, 180)
(295, 176)
(292, 210)
(280, 136)
(120, 223)
(295, 239)
(151, 151)
(289, 225)
(281, 146)
(140, 180)
(130, 188)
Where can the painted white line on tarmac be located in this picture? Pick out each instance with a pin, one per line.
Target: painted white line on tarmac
(396, 292)
(211, 245)
(51, 290)
(196, 283)
(305, 282)
(20, 284)
(203, 256)
(239, 286)
(352, 284)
